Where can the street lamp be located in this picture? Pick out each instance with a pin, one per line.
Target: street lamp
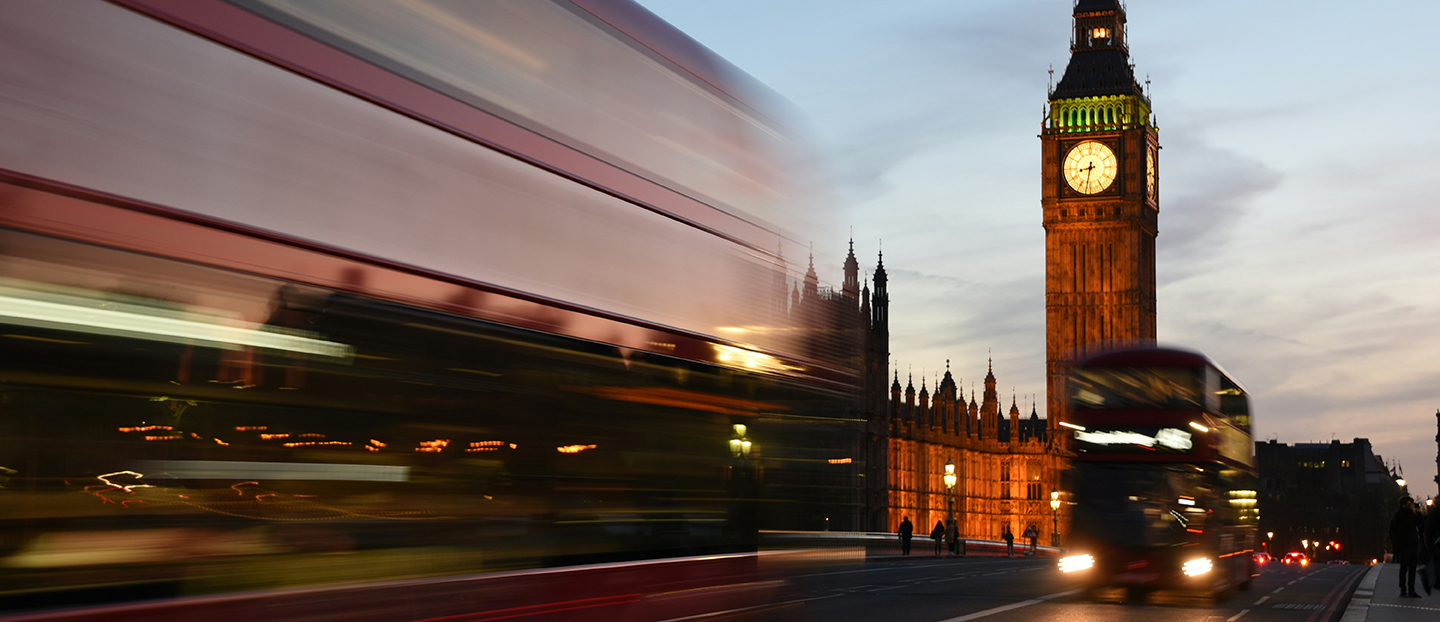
(1054, 518)
(1400, 482)
(739, 446)
(950, 500)
(1269, 535)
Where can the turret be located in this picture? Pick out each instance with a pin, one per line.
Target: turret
(910, 418)
(1037, 431)
(1013, 433)
(851, 289)
(924, 417)
(990, 407)
(865, 304)
(947, 400)
(812, 282)
(880, 304)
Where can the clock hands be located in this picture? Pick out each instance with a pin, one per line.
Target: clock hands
(1095, 161)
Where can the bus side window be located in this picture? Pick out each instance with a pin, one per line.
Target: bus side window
(1234, 404)
(1212, 390)
(1239, 507)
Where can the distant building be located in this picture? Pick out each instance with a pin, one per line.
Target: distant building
(1325, 492)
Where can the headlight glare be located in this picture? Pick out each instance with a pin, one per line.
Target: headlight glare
(1197, 567)
(1076, 563)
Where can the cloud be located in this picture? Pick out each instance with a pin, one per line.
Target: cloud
(932, 80)
(1205, 192)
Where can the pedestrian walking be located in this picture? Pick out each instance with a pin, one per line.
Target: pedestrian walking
(1034, 535)
(1009, 542)
(952, 536)
(1405, 544)
(938, 535)
(907, 531)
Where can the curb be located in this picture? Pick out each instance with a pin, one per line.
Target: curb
(1360, 602)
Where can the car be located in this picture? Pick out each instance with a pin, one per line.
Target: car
(1295, 557)
(1340, 562)
(1262, 558)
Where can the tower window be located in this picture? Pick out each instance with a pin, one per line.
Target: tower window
(1099, 33)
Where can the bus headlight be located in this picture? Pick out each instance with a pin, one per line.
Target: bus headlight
(1197, 567)
(1076, 563)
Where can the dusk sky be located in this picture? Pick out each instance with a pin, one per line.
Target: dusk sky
(1298, 217)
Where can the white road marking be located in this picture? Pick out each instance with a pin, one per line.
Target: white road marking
(702, 616)
(1003, 608)
(1277, 590)
(1237, 616)
(1262, 599)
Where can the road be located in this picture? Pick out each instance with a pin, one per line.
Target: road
(1016, 590)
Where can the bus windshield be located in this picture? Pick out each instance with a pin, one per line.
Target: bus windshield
(1138, 387)
(1131, 506)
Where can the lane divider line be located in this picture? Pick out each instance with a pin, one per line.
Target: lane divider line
(1262, 599)
(712, 614)
(1237, 616)
(1003, 608)
(1337, 593)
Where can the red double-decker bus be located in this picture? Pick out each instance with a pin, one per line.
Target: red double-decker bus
(1163, 477)
(406, 309)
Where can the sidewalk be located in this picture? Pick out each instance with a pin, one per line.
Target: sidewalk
(1377, 599)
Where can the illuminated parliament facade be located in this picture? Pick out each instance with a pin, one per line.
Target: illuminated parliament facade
(1006, 463)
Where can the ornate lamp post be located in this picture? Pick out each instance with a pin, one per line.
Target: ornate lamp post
(739, 445)
(950, 499)
(1054, 518)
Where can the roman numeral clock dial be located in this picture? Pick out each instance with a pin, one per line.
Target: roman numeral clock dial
(1090, 167)
(1150, 173)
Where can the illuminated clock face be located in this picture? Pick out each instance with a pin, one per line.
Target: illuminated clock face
(1090, 167)
(1150, 173)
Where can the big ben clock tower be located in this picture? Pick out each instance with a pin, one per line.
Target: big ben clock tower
(1100, 195)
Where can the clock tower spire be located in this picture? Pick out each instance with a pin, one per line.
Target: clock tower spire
(1100, 200)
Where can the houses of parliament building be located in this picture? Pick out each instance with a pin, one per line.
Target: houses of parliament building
(1006, 463)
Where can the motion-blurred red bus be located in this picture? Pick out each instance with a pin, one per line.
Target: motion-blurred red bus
(1163, 477)
(298, 295)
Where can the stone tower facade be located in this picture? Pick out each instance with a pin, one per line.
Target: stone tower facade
(1100, 200)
